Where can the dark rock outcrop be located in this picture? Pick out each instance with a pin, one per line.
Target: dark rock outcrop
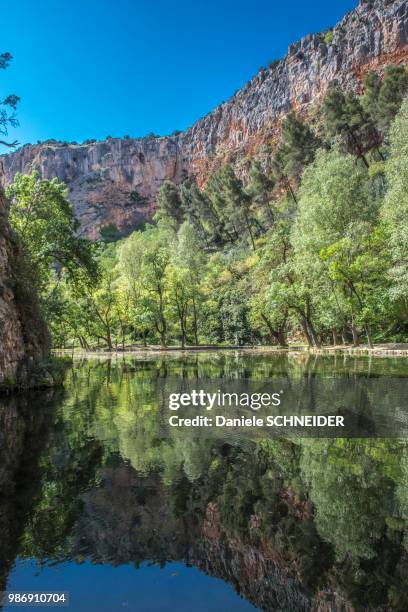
(115, 181)
(24, 340)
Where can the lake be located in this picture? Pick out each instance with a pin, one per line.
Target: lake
(101, 499)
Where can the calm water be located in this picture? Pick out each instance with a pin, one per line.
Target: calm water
(99, 499)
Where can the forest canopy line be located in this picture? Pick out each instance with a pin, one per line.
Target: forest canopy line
(311, 246)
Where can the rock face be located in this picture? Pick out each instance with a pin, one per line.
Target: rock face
(115, 181)
(110, 182)
(23, 335)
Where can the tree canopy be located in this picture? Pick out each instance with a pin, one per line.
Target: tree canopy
(306, 242)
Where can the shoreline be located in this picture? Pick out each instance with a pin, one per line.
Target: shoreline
(381, 350)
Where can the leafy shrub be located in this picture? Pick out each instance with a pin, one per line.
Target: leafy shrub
(328, 37)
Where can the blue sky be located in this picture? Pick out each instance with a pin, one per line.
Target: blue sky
(93, 68)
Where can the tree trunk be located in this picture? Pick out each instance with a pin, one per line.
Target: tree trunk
(335, 337)
(249, 231)
(289, 188)
(281, 337)
(181, 311)
(195, 324)
(109, 338)
(369, 338)
(271, 214)
(162, 338)
(278, 334)
(360, 153)
(309, 324)
(313, 334)
(356, 342)
(183, 332)
(163, 326)
(304, 325)
(122, 329)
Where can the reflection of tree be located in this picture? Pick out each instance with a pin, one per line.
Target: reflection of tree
(350, 493)
(24, 426)
(289, 523)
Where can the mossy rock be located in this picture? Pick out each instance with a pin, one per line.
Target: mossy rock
(42, 375)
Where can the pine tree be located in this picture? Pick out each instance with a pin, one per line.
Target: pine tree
(238, 203)
(169, 203)
(365, 135)
(260, 188)
(382, 99)
(393, 90)
(232, 204)
(200, 212)
(298, 146)
(280, 177)
(191, 204)
(346, 118)
(372, 87)
(216, 193)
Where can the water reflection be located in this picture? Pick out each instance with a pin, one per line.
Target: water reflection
(291, 524)
(25, 422)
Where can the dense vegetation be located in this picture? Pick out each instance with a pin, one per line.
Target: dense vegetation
(307, 243)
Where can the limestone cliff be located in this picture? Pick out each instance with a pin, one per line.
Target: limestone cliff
(23, 334)
(115, 181)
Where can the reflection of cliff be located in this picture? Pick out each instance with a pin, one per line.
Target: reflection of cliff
(24, 422)
(115, 181)
(132, 519)
(290, 524)
(288, 527)
(244, 524)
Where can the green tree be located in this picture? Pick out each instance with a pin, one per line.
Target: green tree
(227, 304)
(233, 204)
(297, 147)
(200, 212)
(335, 205)
(144, 258)
(383, 98)
(269, 305)
(42, 216)
(169, 205)
(395, 207)
(359, 263)
(346, 119)
(99, 301)
(180, 296)
(260, 188)
(189, 257)
(7, 119)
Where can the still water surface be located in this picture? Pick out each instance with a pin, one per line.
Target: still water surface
(97, 498)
